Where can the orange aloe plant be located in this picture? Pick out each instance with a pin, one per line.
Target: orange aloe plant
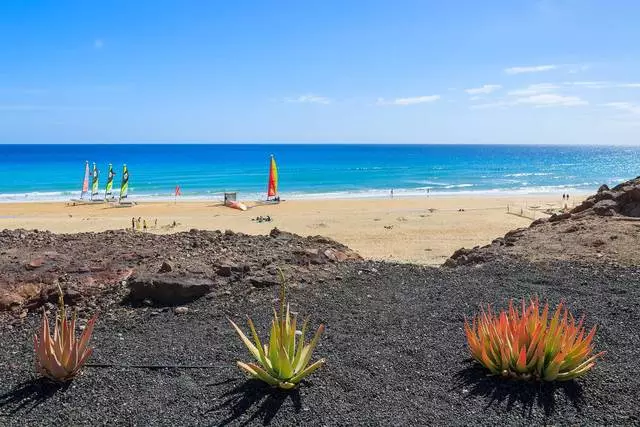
(527, 345)
(61, 357)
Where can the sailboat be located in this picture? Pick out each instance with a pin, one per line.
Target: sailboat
(94, 184)
(108, 191)
(85, 185)
(85, 181)
(124, 189)
(272, 183)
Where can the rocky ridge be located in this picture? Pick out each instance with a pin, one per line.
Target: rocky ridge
(602, 229)
(154, 269)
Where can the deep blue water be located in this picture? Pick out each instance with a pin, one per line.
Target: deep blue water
(55, 172)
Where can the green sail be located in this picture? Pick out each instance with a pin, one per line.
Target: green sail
(124, 186)
(94, 181)
(109, 188)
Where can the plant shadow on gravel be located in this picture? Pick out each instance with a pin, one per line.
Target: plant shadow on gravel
(28, 395)
(254, 393)
(474, 381)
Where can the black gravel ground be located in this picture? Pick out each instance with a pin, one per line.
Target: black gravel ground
(395, 349)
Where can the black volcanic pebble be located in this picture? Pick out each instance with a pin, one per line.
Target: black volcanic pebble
(395, 349)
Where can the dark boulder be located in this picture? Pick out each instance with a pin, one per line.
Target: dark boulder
(166, 267)
(605, 208)
(168, 289)
(559, 217)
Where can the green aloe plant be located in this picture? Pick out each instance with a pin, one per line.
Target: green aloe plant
(284, 361)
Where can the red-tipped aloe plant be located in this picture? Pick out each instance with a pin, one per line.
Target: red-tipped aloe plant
(527, 345)
(284, 362)
(60, 357)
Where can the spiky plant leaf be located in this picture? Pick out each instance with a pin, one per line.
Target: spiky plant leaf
(527, 344)
(61, 356)
(284, 361)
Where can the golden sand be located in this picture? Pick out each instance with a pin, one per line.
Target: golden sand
(420, 230)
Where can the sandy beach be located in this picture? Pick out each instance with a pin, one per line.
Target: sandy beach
(418, 230)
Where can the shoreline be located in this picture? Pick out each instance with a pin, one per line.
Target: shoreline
(346, 196)
(403, 229)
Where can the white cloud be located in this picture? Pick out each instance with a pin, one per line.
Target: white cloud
(98, 43)
(309, 99)
(485, 89)
(552, 100)
(538, 100)
(532, 69)
(534, 89)
(489, 105)
(624, 106)
(475, 98)
(25, 107)
(409, 101)
(575, 69)
(604, 85)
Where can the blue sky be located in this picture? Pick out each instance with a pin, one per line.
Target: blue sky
(527, 71)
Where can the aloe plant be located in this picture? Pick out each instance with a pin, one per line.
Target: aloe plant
(284, 361)
(61, 356)
(527, 345)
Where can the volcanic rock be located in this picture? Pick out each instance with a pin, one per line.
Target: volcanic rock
(166, 267)
(168, 289)
(9, 301)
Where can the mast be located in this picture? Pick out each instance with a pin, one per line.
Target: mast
(85, 181)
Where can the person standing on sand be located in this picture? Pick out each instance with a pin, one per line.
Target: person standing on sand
(139, 223)
(392, 193)
(155, 223)
(144, 224)
(133, 223)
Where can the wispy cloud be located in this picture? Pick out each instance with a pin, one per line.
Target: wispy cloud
(534, 89)
(309, 99)
(575, 69)
(552, 100)
(25, 107)
(624, 106)
(538, 100)
(600, 84)
(483, 90)
(409, 101)
(531, 69)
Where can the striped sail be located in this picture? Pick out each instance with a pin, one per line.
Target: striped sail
(124, 186)
(109, 188)
(85, 181)
(272, 186)
(94, 181)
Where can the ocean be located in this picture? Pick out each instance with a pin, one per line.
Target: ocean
(55, 172)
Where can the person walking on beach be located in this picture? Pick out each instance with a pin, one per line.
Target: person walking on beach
(139, 223)
(144, 224)
(392, 193)
(133, 223)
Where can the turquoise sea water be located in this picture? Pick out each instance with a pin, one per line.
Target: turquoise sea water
(55, 172)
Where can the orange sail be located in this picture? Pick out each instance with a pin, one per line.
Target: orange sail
(272, 187)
